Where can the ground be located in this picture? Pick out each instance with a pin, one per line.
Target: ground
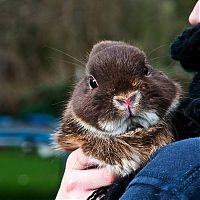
(27, 176)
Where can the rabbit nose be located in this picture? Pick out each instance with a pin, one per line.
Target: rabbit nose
(126, 102)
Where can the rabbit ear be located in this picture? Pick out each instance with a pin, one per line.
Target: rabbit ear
(102, 45)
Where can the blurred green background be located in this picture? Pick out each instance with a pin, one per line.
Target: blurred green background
(28, 177)
(42, 47)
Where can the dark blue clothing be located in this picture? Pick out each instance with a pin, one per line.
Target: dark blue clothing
(173, 173)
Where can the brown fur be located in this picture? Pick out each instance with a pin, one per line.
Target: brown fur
(120, 72)
(112, 150)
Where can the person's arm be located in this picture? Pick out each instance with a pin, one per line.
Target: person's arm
(173, 173)
(78, 181)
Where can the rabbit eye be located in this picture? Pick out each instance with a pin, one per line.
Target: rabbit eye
(146, 70)
(93, 82)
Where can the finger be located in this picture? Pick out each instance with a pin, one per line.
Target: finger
(64, 193)
(194, 17)
(77, 160)
(92, 179)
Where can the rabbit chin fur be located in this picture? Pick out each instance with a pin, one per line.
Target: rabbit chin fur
(145, 120)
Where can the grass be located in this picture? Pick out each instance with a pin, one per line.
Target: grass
(27, 176)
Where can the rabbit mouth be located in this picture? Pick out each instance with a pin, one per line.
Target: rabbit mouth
(144, 120)
(132, 123)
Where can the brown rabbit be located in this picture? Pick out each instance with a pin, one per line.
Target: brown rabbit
(119, 112)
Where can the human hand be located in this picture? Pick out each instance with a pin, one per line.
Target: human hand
(79, 181)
